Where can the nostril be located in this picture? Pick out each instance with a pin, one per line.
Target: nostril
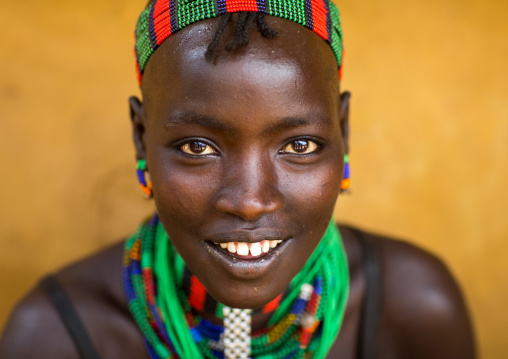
(249, 206)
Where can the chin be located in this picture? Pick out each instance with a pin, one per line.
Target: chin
(248, 297)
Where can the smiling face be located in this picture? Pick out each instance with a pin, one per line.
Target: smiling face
(245, 154)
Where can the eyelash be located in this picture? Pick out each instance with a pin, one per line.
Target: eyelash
(187, 142)
(317, 143)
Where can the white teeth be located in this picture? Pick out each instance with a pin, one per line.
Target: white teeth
(243, 249)
(266, 246)
(255, 249)
(231, 247)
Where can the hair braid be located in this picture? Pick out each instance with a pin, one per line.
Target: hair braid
(243, 26)
(266, 30)
(239, 34)
(210, 51)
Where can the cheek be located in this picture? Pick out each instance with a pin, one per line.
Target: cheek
(313, 192)
(183, 196)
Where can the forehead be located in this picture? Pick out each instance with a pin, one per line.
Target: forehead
(296, 69)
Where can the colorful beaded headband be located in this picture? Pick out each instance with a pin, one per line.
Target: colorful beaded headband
(165, 17)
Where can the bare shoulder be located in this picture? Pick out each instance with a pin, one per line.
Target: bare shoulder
(34, 330)
(423, 306)
(94, 287)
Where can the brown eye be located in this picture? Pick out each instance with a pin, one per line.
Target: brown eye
(197, 148)
(300, 147)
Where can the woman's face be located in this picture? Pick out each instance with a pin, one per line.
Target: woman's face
(246, 151)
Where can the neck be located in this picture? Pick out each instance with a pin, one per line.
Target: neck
(204, 305)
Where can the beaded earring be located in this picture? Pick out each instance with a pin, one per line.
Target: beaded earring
(346, 180)
(144, 178)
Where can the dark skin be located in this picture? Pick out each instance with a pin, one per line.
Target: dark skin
(246, 182)
(245, 179)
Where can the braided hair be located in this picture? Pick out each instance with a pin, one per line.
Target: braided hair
(244, 24)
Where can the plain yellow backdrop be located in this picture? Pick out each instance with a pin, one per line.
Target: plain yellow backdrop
(429, 137)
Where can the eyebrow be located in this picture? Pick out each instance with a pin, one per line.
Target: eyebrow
(218, 125)
(200, 120)
(285, 124)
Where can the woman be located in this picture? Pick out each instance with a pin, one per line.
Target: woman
(242, 140)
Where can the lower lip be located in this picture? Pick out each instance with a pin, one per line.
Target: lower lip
(248, 267)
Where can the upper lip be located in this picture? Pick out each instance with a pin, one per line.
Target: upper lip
(248, 236)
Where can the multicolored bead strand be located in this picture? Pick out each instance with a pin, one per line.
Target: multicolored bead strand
(144, 178)
(163, 18)
(153, 279)
(346, 176)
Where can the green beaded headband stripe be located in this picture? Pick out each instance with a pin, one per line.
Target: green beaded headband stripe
(165, 17)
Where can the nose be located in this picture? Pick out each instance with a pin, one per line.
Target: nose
(250, 189)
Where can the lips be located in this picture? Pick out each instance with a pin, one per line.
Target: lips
(247, 254)
(248, 243)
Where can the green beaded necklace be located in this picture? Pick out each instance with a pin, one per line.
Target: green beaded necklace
(153, 275)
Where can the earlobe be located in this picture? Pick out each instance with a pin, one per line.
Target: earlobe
(138, 121)
(344, 118)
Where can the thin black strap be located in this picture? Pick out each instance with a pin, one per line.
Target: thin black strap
(69, 317)
(369, 323)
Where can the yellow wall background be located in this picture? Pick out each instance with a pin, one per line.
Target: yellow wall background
(429, 137)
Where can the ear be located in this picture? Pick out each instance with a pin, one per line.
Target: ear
(138, 121)
(344, 119)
